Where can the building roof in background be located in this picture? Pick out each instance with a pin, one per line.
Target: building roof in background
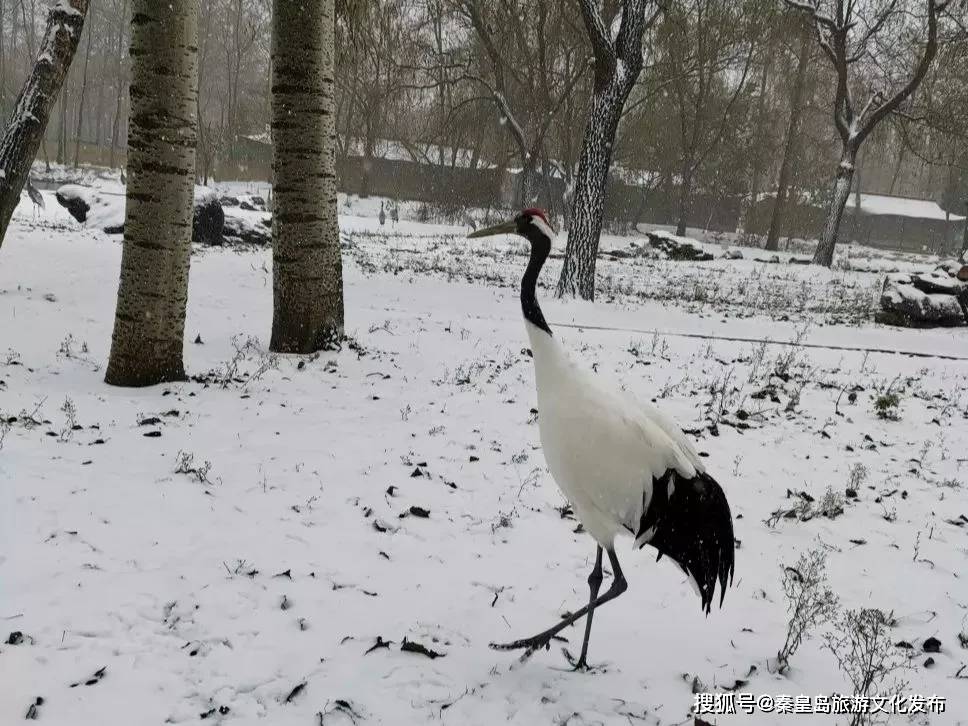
(885, 205)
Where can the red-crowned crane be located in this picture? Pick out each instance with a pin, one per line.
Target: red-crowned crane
(625, 467)
(382, 215)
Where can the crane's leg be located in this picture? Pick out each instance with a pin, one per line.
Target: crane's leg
(543, 639)
(594, 583)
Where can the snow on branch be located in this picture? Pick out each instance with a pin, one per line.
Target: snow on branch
(813, 7)
(597, 31)
(844, 45)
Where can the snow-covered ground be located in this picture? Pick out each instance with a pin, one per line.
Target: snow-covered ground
(256, 545)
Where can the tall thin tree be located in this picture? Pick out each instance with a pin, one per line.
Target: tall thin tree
(149, 325)
(710, 47)
(790, 145)
(28, 124)
(119, 50)
(617, 63)
(307, 273)
(80, 103)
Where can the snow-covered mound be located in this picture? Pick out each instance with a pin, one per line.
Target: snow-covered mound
(682, 248)
(923, 299)
(94, 208)
(100, 208)
(245, 227)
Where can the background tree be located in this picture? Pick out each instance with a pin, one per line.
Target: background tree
(886, 35)
(792, 140)
(372, 82)
(709, 47)
(26, 128)
(530, 70)
(416, 82)
(307, 275)
(617, 64)
(149, 324)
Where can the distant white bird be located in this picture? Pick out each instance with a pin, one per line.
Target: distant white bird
(394, 214)
(625, 467)
(383, 216)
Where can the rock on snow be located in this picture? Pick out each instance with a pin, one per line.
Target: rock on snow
(921, 300)
(103, 209)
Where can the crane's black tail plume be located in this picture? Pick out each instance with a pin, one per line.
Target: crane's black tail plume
(689, 520)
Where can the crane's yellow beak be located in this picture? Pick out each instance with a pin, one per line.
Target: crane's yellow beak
(509, 227)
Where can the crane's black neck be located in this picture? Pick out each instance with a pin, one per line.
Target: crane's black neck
(540, 249)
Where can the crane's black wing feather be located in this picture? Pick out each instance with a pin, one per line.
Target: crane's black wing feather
(689, 520)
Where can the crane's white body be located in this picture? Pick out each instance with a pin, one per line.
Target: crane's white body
(604, 448)
(625, 467)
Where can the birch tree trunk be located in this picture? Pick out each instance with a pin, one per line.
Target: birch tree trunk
(824, 254)
(149, 324)
(307, 273)
(618, 62)
(25, 132)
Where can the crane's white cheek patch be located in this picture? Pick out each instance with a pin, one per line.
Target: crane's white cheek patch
(543, 226)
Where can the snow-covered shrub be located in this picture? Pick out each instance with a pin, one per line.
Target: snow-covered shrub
(832, 504)
(809, 601)
(856, 476)
(862, 644)
(186, 465)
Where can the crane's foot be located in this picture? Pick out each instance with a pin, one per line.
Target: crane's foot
(529, 645)
(580, 665)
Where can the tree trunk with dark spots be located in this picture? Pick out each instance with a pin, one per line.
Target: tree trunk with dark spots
(307, 273)
(149, 324)
(685, 197)
(617, 64)
(824, 254)
(527, 188)
(588, 202)
(25, 132)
